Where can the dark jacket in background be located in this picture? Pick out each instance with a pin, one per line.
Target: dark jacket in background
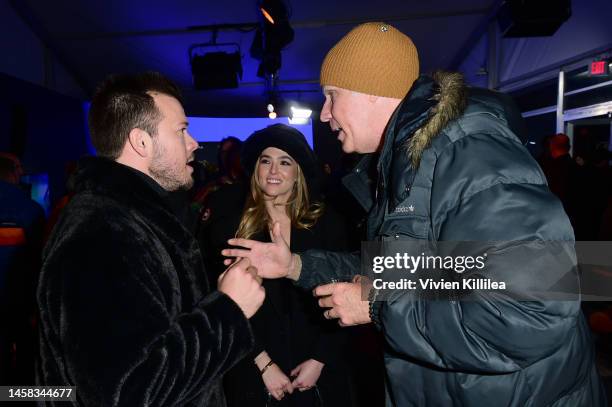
(474, 182)
(219, 223)
(126, 312)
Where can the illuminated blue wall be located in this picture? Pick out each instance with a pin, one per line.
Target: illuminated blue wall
(210, 129)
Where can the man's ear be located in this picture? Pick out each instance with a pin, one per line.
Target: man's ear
(140, 142)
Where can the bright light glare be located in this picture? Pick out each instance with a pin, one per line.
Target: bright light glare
(298, 113)
(266, 15)
(298, 121)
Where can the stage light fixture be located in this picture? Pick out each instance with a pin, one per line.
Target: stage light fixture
(274, 11)
(300, 115)
(215, 70)
(271, 113)
(272, 35)
(266, 15)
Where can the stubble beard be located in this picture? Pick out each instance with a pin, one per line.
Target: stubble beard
(166, 174)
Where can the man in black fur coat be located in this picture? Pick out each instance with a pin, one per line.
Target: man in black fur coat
(126, 312)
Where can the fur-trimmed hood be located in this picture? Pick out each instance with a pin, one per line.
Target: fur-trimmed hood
(434, 105)
(434, 102)
(447, 103)
(431, 104)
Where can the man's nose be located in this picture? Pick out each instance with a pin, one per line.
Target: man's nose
(193, 145)
(325, 115)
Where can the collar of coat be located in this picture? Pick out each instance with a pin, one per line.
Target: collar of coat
(107, 177)
(432, 103)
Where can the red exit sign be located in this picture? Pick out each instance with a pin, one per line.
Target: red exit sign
(599, 68)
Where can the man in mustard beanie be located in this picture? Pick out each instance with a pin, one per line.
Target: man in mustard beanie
(451, 167)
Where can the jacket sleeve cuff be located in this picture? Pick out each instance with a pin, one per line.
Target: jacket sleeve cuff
(323, 267)
(375, 308)
(220, 305)
(305, 280)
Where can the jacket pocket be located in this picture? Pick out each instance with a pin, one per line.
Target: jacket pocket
(404, 228)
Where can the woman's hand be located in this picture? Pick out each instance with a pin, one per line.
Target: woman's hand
(277, 382)
(307, 373)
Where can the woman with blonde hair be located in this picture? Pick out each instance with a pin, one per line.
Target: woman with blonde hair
(298, 359)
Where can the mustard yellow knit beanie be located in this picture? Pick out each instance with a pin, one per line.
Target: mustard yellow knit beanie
(373, 58)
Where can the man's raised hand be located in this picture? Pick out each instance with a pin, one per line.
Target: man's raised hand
(272, 260)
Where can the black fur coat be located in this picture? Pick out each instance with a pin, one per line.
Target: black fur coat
(125, 308)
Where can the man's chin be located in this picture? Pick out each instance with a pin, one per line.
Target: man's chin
(348, 149)
(187, 185)
(175, 186)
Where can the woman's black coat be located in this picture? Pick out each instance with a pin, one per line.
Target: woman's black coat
(289, 325)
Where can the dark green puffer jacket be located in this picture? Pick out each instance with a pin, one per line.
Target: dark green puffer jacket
(452, 168)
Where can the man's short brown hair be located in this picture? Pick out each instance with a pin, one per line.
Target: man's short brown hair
(122, 103)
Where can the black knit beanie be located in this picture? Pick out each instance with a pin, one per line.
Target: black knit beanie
(285, 138)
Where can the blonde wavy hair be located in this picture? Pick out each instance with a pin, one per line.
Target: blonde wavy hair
(255, 217)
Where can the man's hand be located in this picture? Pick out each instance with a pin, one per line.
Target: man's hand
(277, 382)
(306, 374)
(272, 260)
(240, 283)
(344, 302)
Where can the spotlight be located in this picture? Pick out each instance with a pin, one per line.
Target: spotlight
(271, 113)
(299, 115)
(266, 15)
(273, 34)
(274, 11)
